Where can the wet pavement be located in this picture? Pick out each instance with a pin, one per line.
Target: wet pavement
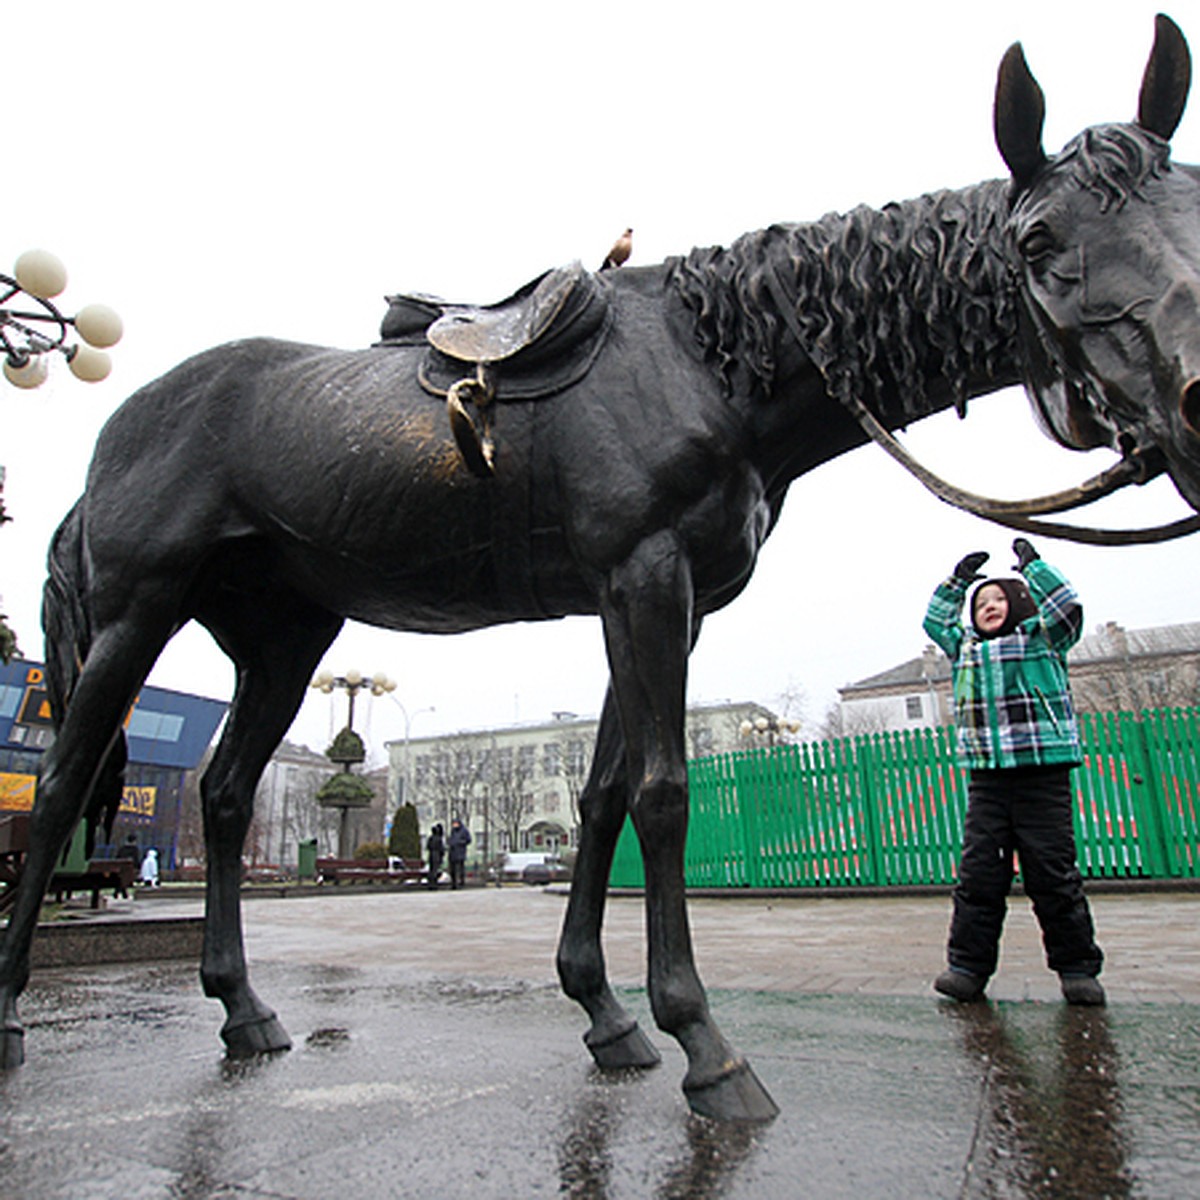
(434, 1056)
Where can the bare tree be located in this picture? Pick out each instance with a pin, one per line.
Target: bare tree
(1123, 686)
(793, 702)
(569, 758)
(191, 818)
(839, 721)
(509, 791)
(450, 778)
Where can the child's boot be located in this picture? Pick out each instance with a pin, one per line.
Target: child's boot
(1082, 989)
(960, 985)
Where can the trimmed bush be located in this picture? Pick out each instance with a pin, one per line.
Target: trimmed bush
(347, 747)
(345, 791)
(405, 838)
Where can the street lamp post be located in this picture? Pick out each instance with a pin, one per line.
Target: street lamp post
(345, 790)
(406, 782)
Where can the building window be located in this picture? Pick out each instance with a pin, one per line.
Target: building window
(155, 726)
(576, 756)
(912, 708)
(526, 761)
(551, 759)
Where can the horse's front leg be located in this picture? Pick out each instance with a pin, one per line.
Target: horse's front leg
(615, 1040)
(647, 609)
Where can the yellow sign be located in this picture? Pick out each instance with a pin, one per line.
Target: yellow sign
(138, 801)
(16, 795)
(16, 792)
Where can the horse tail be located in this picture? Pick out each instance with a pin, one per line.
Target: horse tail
(68, 632)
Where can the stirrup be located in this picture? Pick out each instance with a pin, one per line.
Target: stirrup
(476, 446)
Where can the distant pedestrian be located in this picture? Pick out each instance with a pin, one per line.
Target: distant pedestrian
(435, 848)
(460, 839)
(1018, 737)
(150, 868)
(129, 849)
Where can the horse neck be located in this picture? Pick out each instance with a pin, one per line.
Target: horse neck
(908, 309)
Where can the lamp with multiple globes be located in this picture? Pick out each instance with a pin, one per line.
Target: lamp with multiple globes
(769, 730)
(345, 790)
(352, 683)
(32, 327)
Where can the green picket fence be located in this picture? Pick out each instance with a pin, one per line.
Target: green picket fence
(888, 809)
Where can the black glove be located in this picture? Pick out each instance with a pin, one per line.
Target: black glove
(1025, 553)
(968, 568)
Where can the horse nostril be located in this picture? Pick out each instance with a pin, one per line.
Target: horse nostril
(1190, 406)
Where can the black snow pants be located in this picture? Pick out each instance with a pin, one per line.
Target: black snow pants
(1026, 810)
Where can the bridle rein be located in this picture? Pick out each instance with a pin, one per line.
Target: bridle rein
(1137, 466)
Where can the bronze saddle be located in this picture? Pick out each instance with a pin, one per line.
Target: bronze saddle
(538, 341)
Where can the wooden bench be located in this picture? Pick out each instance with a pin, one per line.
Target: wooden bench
(14, 843)
(117, 873)
(372, 870)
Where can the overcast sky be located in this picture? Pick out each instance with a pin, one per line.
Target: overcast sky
(228, 169)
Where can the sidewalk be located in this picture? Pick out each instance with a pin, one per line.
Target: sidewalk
(435, 1056)
(875, 946)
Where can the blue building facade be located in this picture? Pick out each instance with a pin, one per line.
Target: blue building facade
(167, 732)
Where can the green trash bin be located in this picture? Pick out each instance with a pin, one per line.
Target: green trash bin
(306, 859)
(76, 862)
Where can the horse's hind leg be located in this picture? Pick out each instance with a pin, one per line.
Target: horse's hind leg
(275, 644)
(117, 662)
(648, 626)
(614, 1037)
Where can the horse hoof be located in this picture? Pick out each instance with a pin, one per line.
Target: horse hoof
(12, 1047)
(630, 1048)
(735, 1095)
(263, 1036)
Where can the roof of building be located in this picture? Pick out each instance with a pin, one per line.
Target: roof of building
(565, 722)
(1109, 642)
(164, 728)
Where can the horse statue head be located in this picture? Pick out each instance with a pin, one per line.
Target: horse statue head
(1104, 245)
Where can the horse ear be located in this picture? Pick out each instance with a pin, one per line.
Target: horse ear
(1018, 116)
(1166, 81)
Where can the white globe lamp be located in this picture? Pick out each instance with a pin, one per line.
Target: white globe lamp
(40, 273)
(88, 364)
(99, 325)
(31, 374)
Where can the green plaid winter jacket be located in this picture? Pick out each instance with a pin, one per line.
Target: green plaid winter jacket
(1011, 695)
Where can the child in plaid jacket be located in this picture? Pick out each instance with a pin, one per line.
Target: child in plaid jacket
(1018, 736)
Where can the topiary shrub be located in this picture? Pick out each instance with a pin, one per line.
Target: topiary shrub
(347, 747)
(405, 838)
(345, 791)
(375, 850)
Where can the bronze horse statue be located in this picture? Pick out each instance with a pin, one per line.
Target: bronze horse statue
(269, 491)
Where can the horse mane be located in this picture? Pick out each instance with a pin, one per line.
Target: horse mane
(888, 299)
(884, 299)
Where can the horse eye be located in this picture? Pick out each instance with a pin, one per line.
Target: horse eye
(1037, 244)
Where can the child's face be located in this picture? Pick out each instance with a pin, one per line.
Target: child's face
(991, 608)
